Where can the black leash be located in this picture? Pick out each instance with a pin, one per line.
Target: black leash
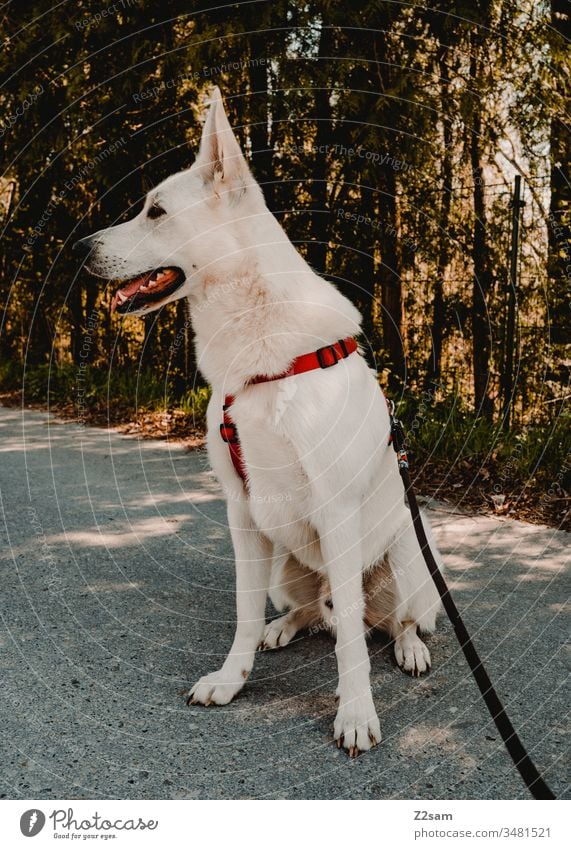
(527, 769)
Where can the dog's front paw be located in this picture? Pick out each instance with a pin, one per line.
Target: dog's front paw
(357, 726)
(218, 688)
(411, 654)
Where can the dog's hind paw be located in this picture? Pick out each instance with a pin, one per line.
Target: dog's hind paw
(411, 654)
(357, 727)
(215, 689)
(278, 633)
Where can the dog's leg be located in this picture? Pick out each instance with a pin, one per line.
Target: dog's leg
(417, 597)
(253, 554)
(411, 653)
(279, 632)
(416, 601)
(300, 588)
(356, 724)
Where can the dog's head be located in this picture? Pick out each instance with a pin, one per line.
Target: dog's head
(189, 227)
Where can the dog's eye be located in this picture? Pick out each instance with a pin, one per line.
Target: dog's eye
(155, 211)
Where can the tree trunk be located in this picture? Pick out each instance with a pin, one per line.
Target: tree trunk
(183, 365)
(39, 337)
(365, 294)
(260, 115)
(481, 343)
(317, 247)
(390, 281)
(434, 365)
(559, 221)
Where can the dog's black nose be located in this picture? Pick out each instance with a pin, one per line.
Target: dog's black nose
(83, 246)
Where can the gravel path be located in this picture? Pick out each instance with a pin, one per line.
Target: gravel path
(117, 592)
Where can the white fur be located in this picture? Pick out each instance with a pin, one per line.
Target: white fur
(323, 481)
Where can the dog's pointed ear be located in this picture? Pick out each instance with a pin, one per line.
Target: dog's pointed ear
(220, 156)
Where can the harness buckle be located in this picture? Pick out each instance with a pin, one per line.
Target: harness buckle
(320, 354)
(228, 432)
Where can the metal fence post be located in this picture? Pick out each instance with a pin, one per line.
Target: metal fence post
(509, 380)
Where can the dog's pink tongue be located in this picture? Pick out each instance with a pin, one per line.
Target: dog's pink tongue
(128, 290)
(133, 285)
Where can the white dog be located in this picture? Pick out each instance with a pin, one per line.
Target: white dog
(321, 521)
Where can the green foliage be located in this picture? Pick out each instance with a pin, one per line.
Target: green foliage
(10, 375)
(194, 403)
(122, 393)
(447, 432)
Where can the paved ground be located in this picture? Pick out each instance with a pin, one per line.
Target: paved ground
(117, 593)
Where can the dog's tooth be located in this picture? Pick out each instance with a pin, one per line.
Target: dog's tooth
(142, 289)
(160, 276)
(121, 297)
(151, 284)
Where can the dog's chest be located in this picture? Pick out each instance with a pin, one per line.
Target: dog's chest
(279, 492)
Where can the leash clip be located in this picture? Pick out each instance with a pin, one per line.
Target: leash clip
(398, 437)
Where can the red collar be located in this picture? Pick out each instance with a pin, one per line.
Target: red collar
(325, 357)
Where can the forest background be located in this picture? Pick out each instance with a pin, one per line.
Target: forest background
(387, 137)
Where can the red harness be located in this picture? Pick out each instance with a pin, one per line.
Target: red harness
(322, 358)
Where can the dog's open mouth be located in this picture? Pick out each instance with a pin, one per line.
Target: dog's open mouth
(147, 288)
